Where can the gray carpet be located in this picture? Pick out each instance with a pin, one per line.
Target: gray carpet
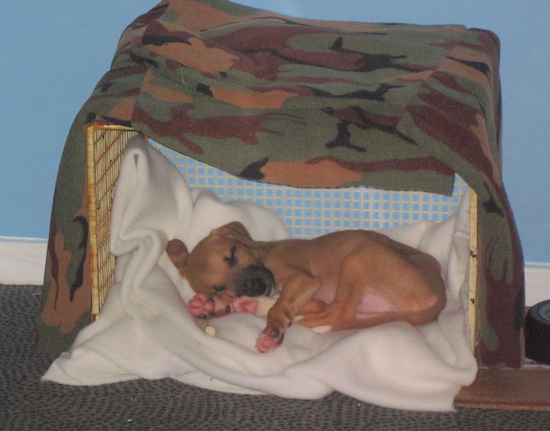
(26, 403)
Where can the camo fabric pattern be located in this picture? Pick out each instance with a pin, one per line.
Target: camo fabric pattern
(306, 103)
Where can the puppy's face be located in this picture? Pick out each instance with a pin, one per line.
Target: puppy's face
(225, 264)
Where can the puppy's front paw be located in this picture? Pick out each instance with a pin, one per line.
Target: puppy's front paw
(201, 306)
(269, 339)
(245, 304)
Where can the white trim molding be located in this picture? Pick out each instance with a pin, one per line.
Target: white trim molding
(22, 261)
(537, 283)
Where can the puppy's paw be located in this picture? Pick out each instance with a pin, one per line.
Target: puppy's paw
(245, 304)
(257, 305)
(269, 340)
(201, 306)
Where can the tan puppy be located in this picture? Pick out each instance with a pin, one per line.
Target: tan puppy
(348, 279)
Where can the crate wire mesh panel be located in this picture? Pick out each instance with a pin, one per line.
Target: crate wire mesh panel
(306, 213)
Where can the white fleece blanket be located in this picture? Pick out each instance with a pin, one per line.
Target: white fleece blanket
(144, 330)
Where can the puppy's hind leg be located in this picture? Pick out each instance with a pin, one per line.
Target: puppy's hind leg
(350, 290)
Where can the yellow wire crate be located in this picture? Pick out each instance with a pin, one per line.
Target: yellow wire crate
(306, 213)
(105, 146)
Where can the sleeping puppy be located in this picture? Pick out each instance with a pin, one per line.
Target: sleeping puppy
(343, 280)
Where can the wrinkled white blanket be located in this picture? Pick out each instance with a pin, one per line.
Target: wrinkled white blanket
(144, 330)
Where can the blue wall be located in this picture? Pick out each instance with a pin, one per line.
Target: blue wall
(54, 52)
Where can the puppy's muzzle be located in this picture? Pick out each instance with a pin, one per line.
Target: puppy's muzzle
(254, 280)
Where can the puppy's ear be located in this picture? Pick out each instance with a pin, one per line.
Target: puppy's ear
(178, 253)
(233, 230)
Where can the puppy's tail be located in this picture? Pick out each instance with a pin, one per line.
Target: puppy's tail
(364, 322)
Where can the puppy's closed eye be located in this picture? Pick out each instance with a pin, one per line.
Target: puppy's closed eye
(232, 259)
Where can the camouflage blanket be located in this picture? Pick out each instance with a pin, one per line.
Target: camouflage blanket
(306, 103)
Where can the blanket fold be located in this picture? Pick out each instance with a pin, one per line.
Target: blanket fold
(144, 330)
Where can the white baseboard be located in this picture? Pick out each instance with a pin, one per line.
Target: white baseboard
(22, 261)
(537, 284)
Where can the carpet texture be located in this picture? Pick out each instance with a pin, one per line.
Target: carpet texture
(26, 403)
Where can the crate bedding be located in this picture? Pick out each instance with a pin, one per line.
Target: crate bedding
(305, 103)
(144, 330)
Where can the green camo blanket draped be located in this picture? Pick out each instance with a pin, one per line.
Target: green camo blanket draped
(307, 103)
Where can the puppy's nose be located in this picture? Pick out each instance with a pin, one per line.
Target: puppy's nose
(255, 280)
